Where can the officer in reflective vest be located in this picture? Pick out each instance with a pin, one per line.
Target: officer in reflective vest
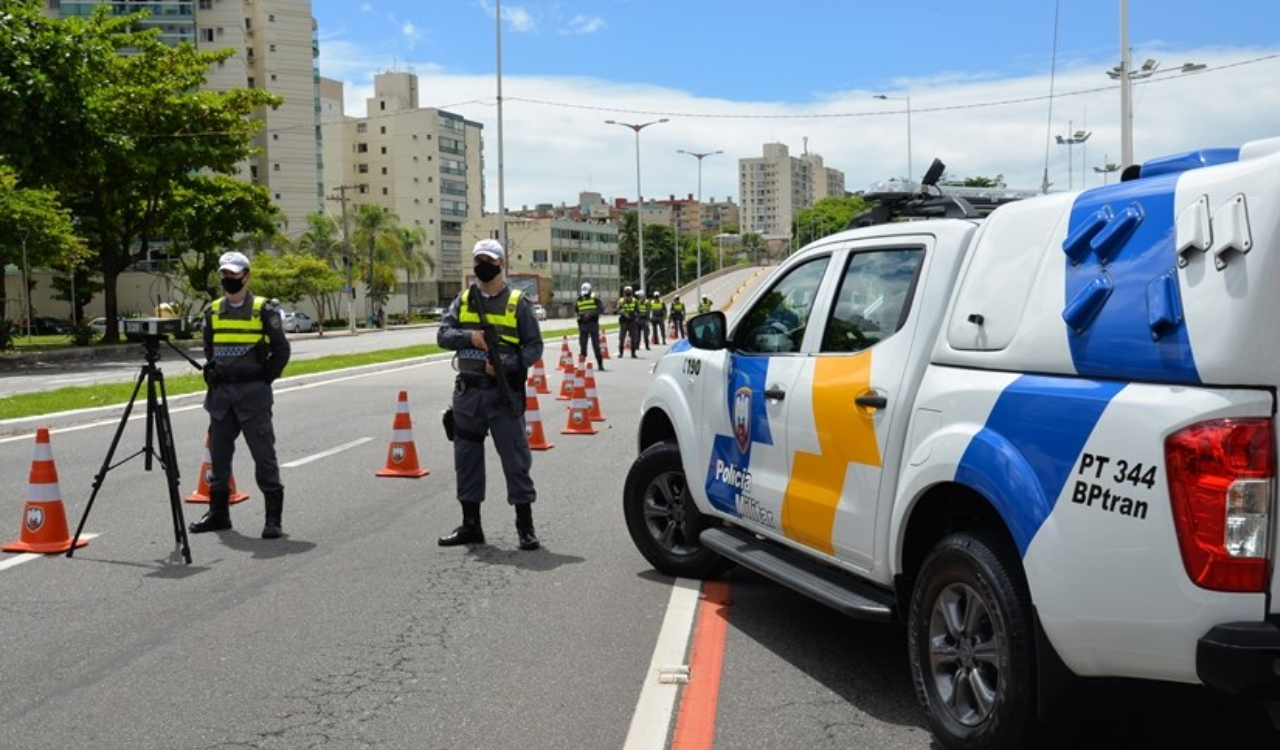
(588, 307)
(677, 316)
(644, 307)
(658, 316)
(245, 350)
(479, 408)
(705, 304)
(628, 321)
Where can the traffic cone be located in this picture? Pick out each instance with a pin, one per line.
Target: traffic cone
(540, 377)
(402, 455)
(566, 356)
(201, 495)
(580, 412)
(566, 387)
(44, 520)
(589, 383)
(604, 346)
(533, 420)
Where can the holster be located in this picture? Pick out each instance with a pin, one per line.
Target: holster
(447, 420)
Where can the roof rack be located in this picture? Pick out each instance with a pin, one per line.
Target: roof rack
(894, 205)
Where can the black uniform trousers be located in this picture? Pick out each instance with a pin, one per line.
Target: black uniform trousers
(481, 410)
(590, 333)
(235, 409)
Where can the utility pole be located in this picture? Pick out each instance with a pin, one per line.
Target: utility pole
(347, 251)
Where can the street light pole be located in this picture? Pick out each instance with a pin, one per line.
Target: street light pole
(910, 177)
(1077, 136)
(639, 195)
(502, 208)
(26, 281)
(1106, 169)
(699, 156)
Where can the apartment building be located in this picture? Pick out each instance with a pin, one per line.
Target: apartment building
(276, 49)
(776, 186)
(423, 164)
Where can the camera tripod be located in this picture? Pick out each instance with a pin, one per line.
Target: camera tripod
(158, 426)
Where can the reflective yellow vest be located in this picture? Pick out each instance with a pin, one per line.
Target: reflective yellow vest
(233, 338)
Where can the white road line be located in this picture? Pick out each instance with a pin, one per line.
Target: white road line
(17, 560)
(325, 454)
(651, 722)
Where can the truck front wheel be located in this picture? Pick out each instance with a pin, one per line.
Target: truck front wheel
(970, 636)
(663, 522)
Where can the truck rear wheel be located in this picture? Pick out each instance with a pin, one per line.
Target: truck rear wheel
(663, 522)
(971, 643)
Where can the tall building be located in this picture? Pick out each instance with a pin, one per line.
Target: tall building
(777, 186)
(424, 164)
(276, 49)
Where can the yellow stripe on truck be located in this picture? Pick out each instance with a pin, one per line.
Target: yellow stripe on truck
(845, 434)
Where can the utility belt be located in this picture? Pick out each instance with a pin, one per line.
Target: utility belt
(223, 378)
(466, 382)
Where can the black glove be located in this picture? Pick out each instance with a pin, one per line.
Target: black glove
(210, 374)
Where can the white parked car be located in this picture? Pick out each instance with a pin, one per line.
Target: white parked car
(297, 322)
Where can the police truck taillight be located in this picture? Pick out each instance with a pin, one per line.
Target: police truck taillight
(1220, 477)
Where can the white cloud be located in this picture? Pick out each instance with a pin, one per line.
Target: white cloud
(366, 8)
(410, 33)
(519, 19)
(584, 25)
(556, 143)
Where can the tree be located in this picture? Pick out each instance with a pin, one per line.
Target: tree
(294, 276)
(116, 135)
(35, 230)
(827, 216)
(323, 240)
(377, 235)
(629, 248)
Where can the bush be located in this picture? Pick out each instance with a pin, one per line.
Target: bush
(6, 335)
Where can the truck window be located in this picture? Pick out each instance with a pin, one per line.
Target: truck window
(873, 300)
(778, 320)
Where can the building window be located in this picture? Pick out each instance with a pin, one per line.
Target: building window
(384, 170)
(271, 47)
(271, 18)
(362, 127)
(206, 4)
(362, 148)
(384, 191)
(383, 129)
(384, 149)
(206, 35)
(382, 105)
(275, 167)
(251, 82)
(362, 168)
(275, 136)
(273, 76)
(253, 172)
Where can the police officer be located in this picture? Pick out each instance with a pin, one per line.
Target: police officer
(479, 404)
(643, 315)
(658, 316)
(588, 307)
(245, 350)
(705, 304)
(628, 321)
(677, 316)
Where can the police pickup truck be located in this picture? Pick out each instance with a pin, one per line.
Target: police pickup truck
(1045, 440)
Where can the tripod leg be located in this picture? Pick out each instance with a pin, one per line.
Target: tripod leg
(106, 462)
(169, 461)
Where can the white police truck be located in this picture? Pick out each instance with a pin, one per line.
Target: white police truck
(1045, 439)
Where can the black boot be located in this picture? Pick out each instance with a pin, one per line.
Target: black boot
(219, 516)
(469, 532)
(275, 505)
(524, 527)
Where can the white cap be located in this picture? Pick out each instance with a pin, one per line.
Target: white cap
(491, 248)
(233, 262)
(586, 287)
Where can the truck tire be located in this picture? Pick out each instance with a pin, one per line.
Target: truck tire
(971, 642)
(663, 522)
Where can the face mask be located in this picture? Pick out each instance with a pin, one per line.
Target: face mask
(232, 285)
(487, 271)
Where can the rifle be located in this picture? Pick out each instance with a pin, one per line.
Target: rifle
(491, 344)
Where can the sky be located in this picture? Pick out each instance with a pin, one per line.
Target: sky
(991, 85)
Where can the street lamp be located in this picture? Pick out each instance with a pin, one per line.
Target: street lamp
(1107, 168)
(639, 196)
(1126, 75)
(907, 99)
(1077, 136)
(699, 156)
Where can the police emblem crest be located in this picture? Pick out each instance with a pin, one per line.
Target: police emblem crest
(742, 418)
(397, 453)
(35, 518)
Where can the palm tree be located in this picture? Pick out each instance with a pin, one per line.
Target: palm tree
(378, 234)
(629, 247)
(323, 240)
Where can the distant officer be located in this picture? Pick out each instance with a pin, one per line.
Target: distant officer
(245, 350)
(705, 304)
(479, 404)
(588, 306)
(628, 321)
(658, 317)
(677, 316)
(644, 308)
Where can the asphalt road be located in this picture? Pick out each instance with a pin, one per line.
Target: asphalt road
(358, 631)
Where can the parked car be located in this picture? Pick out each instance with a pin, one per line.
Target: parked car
(297, 322)
(539, 312)
(43, 325)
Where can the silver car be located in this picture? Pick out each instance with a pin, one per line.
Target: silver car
(297, 322)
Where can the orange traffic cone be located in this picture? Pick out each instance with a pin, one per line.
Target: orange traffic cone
(533, 420)
(402, 455)
(566, 356)
(566, 387)
(589, 383)
(201, 495)
(540, 377)
(580, 412)
(44, 520)
(604, 346)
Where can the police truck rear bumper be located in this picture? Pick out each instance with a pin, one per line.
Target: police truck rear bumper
(1242, 658)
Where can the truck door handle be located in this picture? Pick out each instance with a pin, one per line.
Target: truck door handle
(872, 401)
(775, 393)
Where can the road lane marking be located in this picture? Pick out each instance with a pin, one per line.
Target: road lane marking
(696, 719)
(325, 454)
(652, 718)
(19, 559)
